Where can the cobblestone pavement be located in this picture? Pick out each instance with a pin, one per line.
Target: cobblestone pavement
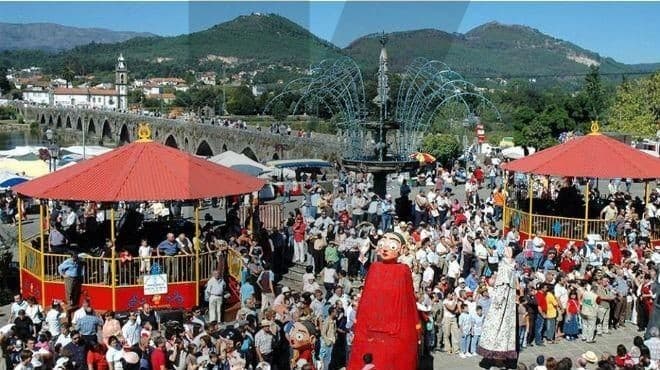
(605, 343)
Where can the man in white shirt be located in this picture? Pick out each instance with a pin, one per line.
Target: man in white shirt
(18, 304)
(427, 275)
(214, 292)
(131, 329)
(80, 313)
(53, 319)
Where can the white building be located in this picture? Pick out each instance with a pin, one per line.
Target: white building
(84, 97)
(38, 96)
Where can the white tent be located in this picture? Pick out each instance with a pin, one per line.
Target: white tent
(90, 150)
(517, 152)
(20, 151)
(240, 162)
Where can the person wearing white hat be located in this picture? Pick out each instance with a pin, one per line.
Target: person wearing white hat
(263, 342)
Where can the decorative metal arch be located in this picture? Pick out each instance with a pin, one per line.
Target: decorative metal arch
(338, 86)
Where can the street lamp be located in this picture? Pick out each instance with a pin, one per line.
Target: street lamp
(53, 150)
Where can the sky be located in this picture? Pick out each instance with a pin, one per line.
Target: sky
(626, 31)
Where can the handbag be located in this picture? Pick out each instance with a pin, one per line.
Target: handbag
(494, 259)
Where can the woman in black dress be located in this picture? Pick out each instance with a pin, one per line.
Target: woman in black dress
(339, 357)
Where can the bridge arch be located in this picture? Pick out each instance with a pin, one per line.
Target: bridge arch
(106, 132)
(79, 125)
(43, 119)
(250, 154)
(68, 122)
(50, 120)
(59, 121)
(171, 142)
(204, 149)
(124, 136)
(91, 128)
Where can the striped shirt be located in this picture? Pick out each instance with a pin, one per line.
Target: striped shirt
(89, 324)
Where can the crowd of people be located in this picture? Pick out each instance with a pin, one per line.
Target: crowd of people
(572, 292)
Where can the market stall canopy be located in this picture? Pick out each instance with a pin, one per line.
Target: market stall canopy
(240, 162)
(141, 171)
(9, 179)
(517, 152)
(299, 163)
(593, 156)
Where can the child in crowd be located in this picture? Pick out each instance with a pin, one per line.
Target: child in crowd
(477, 322)
(465, 327)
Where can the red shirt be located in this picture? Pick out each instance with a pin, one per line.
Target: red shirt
(541, 302)
(567, 265)
(158, 359)
(97, 360)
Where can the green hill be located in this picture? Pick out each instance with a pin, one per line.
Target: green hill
(253, 42)
(248, 40)
(490, 50)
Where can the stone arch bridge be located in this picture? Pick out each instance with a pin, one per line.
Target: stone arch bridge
(114, 128)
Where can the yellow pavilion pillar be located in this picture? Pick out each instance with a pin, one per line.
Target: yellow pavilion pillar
(42, 252)
(197, 245)
(530, 195)
(586, 209)
(113, 260)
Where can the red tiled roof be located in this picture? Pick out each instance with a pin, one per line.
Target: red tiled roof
(84, 91)
(141, 171)
(593, 156)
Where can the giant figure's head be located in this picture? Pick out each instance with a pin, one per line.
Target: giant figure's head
(389, 247)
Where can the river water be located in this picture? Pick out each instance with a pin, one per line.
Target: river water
(11, 139)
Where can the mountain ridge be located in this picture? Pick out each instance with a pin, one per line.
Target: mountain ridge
(55, 37)
(492, 49)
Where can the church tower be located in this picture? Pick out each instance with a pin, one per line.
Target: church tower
(121, 84)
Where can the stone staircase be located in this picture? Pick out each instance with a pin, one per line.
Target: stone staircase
(294, 277)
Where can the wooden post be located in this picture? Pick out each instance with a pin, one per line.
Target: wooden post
(42, 253)
(647, 191)
(586, 209)
(19, 205)
(113, 267)
(197, 247)
(530, 195)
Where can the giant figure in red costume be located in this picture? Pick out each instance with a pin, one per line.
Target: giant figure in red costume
(387, 321)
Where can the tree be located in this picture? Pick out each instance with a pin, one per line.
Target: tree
(279, 111)
(636, 108)
(241, 101)
(68, 74)
(593, 89)
(443, 147)
(5, 85)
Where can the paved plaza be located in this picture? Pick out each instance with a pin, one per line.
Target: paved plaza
(606, 343)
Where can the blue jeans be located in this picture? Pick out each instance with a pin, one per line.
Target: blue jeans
(550, 326)
(325, 354)
(538, 329)
(385, 222)
(474, 343)
(522, 336)
(465, 343)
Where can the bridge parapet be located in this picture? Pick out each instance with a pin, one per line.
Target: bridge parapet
(116, 128)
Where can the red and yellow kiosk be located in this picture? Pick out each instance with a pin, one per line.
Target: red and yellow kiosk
(592, 156)
(143, 171)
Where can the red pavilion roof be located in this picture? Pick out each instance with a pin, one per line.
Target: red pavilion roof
(594, 156)
(141, 171)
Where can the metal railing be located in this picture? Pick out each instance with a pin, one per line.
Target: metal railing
(563, 227)
(129, 272)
